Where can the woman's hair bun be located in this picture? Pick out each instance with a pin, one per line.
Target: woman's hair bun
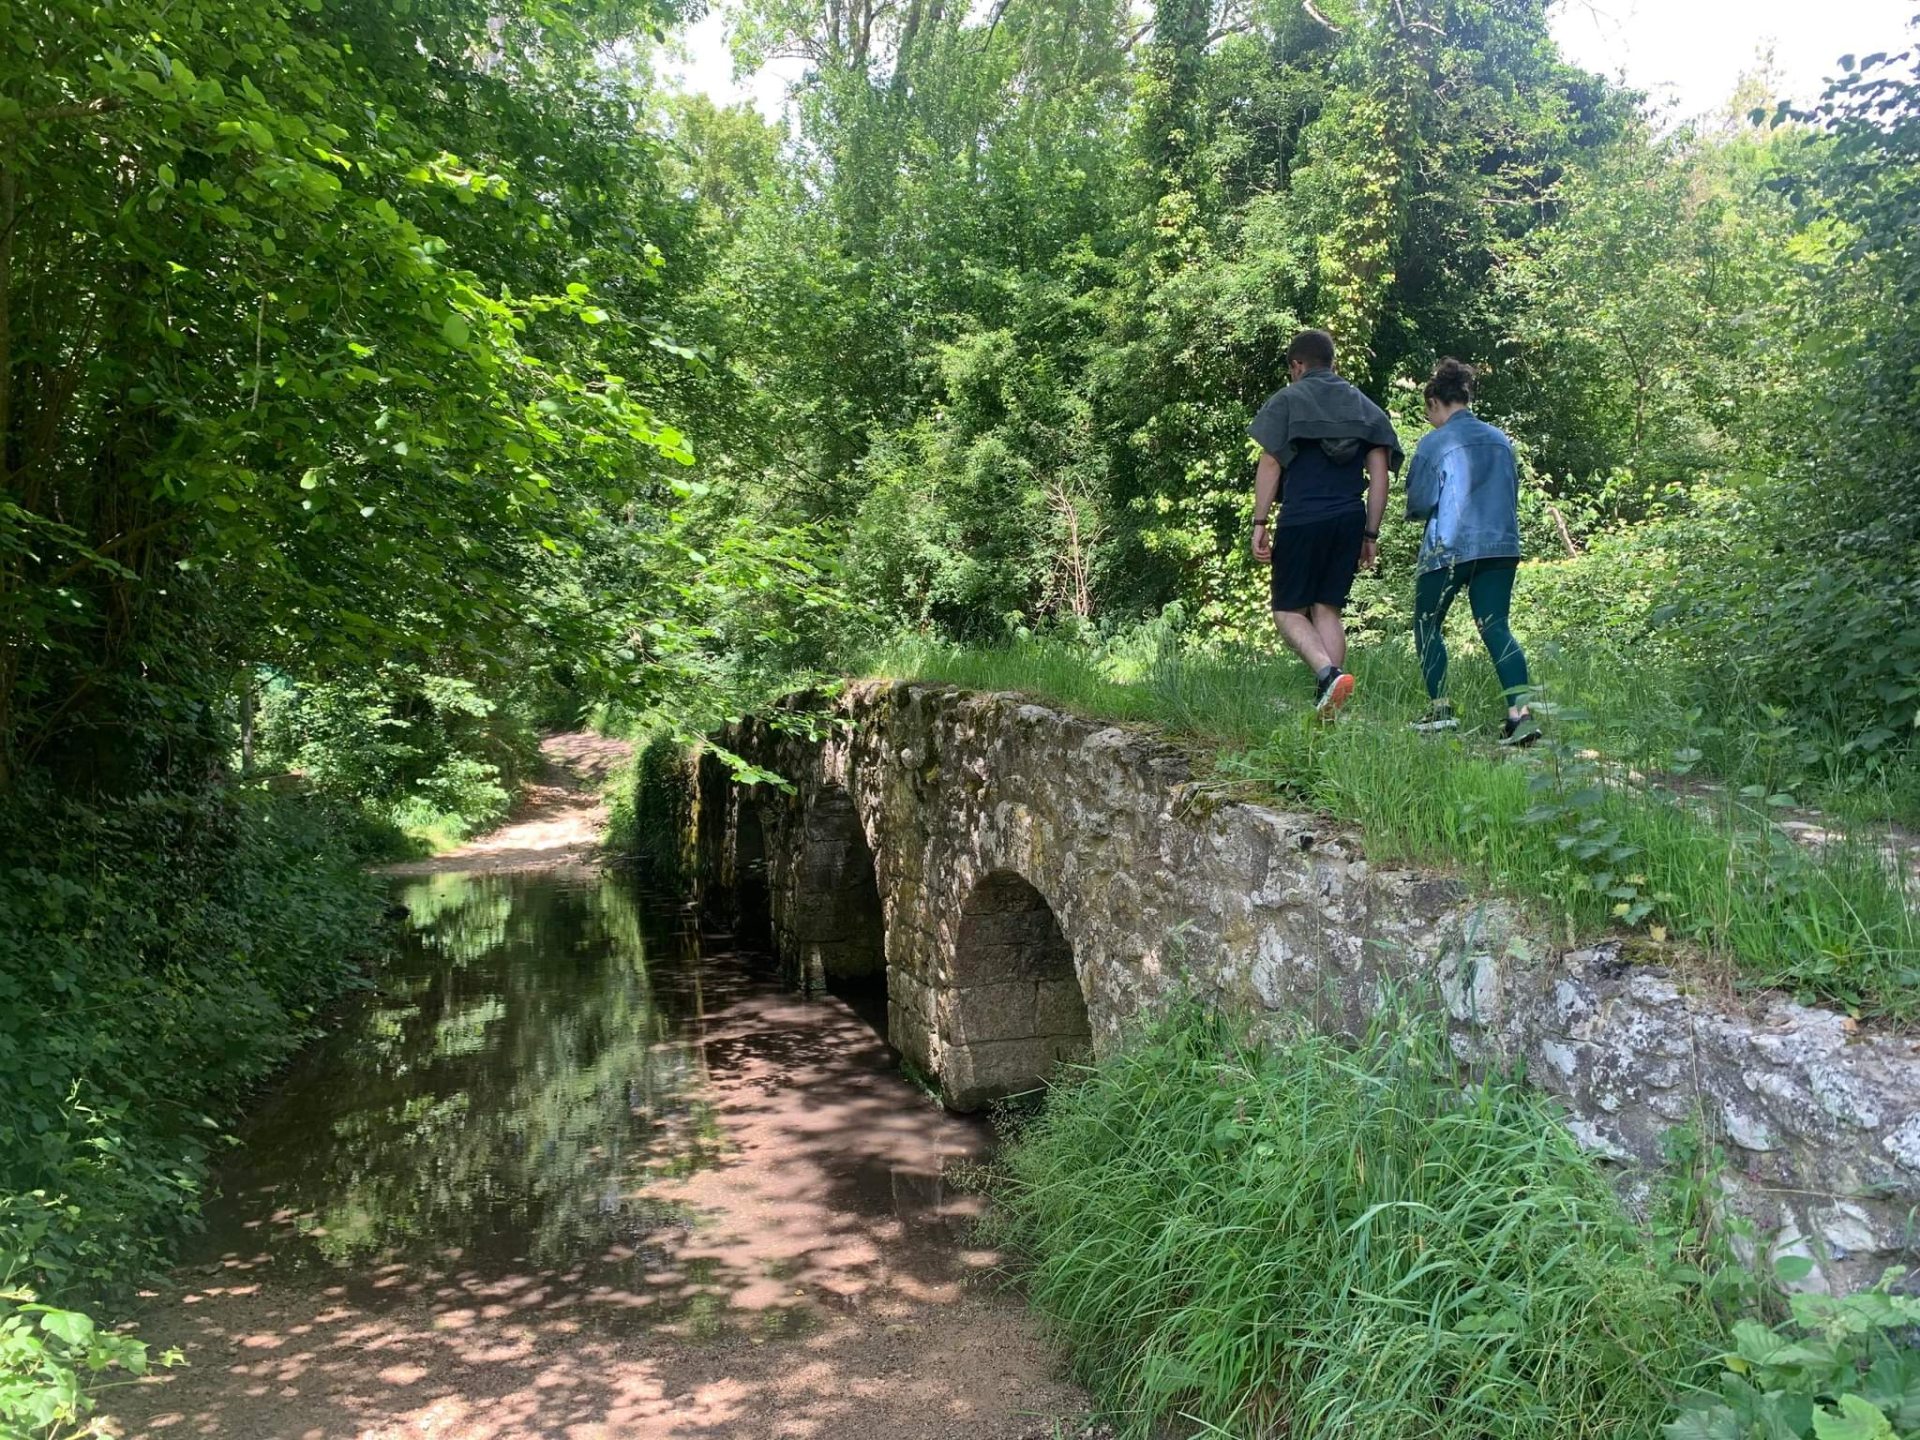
(1452, 382)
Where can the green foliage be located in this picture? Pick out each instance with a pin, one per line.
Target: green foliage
(157, 960)
(650, 824)
(51, 1361)
(1355, 1242)
(332, 338)
(1841, 1369)
(1053, 260)
(1651, 320)
(1829, 642)
(428, 754)
(258, 336)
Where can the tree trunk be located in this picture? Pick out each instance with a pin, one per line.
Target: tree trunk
(249, 699)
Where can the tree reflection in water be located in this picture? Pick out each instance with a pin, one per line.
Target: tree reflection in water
(503, 1098)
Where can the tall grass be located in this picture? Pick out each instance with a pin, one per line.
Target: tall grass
(1568, 825)
(1831, 925)
(1309, 1240)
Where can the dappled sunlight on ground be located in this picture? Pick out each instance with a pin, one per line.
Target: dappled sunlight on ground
(310, 1367)
(572, 1171)
(556, 822)
(819, 1288)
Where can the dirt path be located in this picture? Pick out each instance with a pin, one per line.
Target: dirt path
(809, 1274)
(556, 822)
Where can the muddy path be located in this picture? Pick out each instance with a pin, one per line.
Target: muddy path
(576, 1171)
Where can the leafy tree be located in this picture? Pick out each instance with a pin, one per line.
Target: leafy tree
(1652, 319)
(327, 336)
(1821, 610)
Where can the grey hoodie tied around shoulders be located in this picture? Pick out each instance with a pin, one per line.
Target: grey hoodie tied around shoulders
(1322, 407)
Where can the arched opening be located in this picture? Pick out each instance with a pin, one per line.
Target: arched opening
(747, 873)
(836, 935)
(1016, 1010)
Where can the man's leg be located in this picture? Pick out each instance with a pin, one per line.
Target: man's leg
(1297, 628)
(1311, 557)
(1333, 634)
(1333, 687)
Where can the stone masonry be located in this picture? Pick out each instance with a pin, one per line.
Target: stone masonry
(1031, 882)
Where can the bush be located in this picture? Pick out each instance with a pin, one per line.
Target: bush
(48, 1358)
(1314, 1240)
(1842, 1369)
(1814, 625)
(156, 960)
(427, 753)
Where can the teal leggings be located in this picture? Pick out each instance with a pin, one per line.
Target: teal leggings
(1489, 587)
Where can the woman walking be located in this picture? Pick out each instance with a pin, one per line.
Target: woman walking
(1465, 485)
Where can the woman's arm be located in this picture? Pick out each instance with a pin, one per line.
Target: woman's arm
(1423, 484)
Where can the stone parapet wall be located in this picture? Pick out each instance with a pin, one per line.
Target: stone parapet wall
(1012, 849)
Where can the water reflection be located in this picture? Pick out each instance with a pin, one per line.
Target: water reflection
(505, 1096)
(558, 1102)
(571, 1172)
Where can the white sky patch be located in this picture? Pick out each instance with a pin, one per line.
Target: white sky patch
(708, 69)
(1688, 55)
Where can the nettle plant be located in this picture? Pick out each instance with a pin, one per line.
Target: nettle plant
(52, 1362)
(1570, 793)
(1842, 1368)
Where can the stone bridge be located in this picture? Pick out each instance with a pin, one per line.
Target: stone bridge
(1024, 883)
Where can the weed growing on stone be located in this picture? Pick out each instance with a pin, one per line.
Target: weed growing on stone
(1560, 828)
(1316, 1240)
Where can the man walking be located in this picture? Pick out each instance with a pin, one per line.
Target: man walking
(1326, 450)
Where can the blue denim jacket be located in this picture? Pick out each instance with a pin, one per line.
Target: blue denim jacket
(1463, 482)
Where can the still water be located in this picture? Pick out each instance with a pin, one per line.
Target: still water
(558, 1093)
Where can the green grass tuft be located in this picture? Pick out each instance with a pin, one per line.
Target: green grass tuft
(1313, 1240)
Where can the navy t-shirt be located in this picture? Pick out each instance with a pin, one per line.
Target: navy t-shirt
(1314, 488)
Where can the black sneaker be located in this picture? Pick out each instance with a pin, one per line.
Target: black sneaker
(1439, 717)
(1519, 732)
(1334, 692)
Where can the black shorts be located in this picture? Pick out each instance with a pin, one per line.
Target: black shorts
(1314, 564)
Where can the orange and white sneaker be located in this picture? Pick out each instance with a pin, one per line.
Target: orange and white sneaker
(1334, 692)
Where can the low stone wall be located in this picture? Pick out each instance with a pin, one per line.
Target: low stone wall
(1032, 882)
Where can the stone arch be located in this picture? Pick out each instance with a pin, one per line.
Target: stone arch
(1015, 1009)
(831, 928)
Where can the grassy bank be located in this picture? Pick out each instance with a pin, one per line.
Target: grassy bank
(1570, 826)
(1316, 1240)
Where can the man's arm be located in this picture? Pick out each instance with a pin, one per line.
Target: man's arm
(1266, 485)
(1376, 502)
